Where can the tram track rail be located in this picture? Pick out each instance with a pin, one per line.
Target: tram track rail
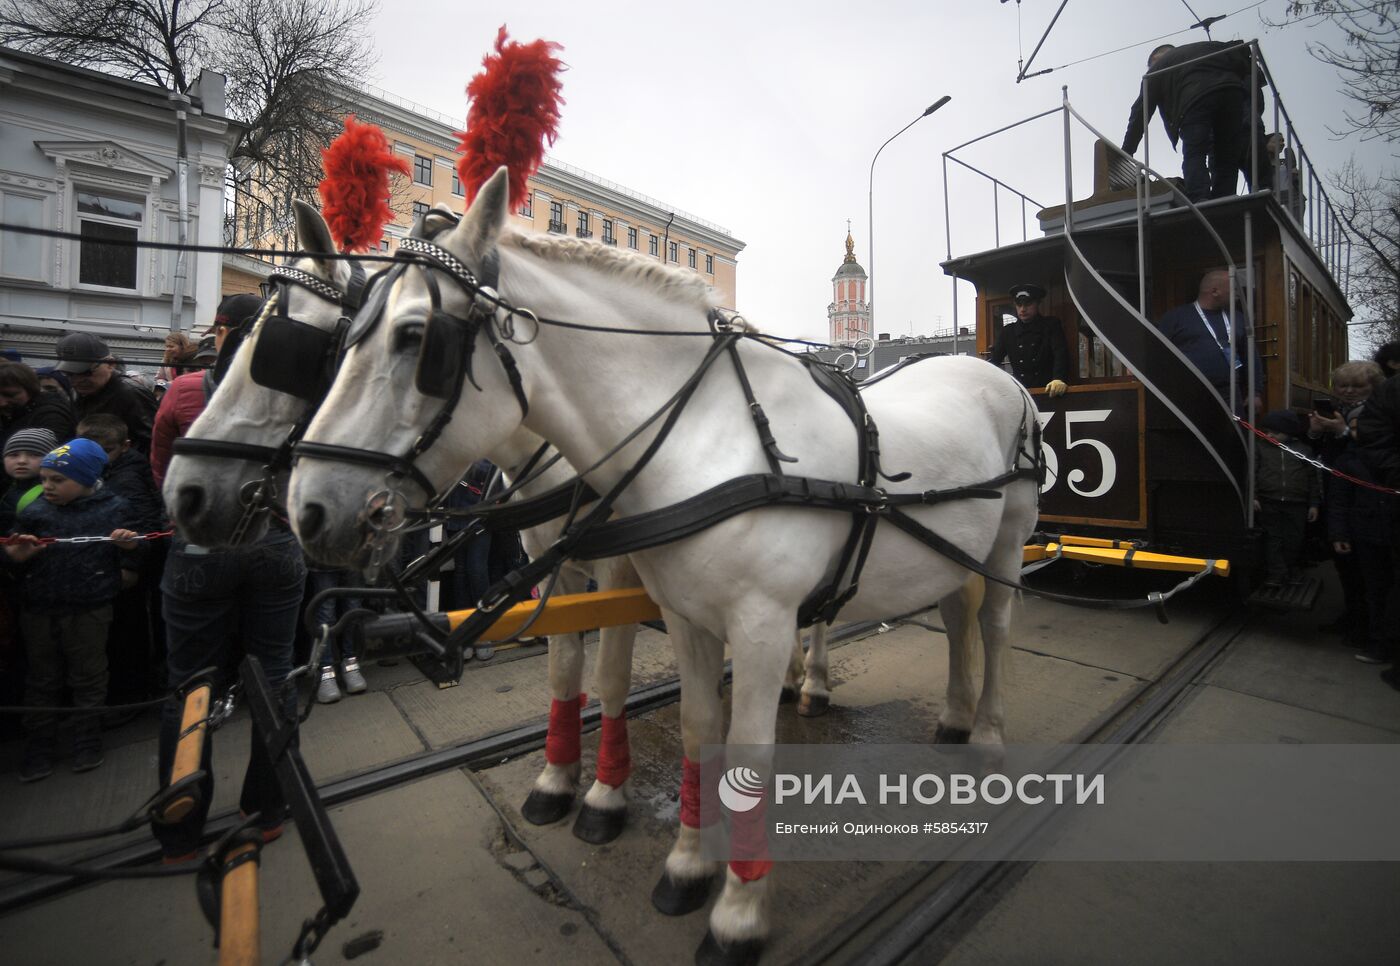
(475, 754)
(935, 905)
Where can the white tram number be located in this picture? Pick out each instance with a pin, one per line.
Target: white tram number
(1078, 432)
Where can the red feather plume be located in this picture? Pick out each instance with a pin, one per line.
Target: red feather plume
(355, 192)
(514, 111)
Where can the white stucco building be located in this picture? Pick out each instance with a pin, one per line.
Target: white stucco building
(96, 156)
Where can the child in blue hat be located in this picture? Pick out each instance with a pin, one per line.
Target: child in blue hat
(66, 592)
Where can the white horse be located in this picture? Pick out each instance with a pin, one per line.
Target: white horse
(948, 422)
(208, 495)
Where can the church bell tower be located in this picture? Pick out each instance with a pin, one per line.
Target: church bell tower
(848, 315)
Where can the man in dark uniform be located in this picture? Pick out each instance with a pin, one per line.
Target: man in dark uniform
(1035, 344)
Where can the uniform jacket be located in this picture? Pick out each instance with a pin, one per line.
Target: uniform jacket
(1281, 476)
(74, 576)
(127, 399)
(1036, 348)
(1173, 93)
(1378, 432)
(1184, 329)
(183, 402)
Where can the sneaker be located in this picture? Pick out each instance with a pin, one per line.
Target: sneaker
(1371, 657)
(350, 674)
(87, 756)
(1391, 677)
(327, 692)
(37, 764)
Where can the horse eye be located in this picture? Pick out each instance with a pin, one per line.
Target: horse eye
(409, 337)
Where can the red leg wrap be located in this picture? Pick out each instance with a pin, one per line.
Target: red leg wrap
(748, 843)
(690, 793)
(614, 758)
(561, 745)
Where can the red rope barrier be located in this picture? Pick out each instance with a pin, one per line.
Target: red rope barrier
(1318, 463)
(46, 541)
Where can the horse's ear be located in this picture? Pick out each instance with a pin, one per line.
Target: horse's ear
(484, 219)
(313, 235)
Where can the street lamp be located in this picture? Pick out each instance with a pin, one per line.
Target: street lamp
(870, 203)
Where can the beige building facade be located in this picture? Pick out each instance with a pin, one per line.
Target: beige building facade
(562, 200)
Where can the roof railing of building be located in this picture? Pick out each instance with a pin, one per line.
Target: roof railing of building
(457, 123)
(1298, 186)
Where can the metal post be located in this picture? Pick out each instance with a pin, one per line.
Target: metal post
(1251, 353)
(1069, 175)
(177, 304)
(870, 200)
(1253, 117)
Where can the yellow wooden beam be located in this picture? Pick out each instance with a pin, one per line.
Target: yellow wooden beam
(567, 613)
(1140, 559)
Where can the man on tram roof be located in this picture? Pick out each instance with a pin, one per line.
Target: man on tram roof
(1035, 344)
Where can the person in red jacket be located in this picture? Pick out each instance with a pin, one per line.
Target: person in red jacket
(186, 395)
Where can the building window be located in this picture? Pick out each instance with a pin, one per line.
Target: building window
(457, 184)
(671, 252)
(709, 264)
(691, 258)
(383, 244)
(19, 256)
(422, 170)
(527, 207)
(651, 245)
(556, 217)
(104, 218)
(583, 229)
(420, 208)
(632, 238)
(608, 238)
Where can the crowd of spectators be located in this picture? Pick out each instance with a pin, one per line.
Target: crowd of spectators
(104, 625)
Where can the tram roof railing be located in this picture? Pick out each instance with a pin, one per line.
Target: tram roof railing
(1298, 186)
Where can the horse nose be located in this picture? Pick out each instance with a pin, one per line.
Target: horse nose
(310, 521)
(188, 502)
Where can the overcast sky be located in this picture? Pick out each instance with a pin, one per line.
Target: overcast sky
(764, 117)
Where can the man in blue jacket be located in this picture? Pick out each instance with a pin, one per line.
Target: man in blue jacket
(1201, 330)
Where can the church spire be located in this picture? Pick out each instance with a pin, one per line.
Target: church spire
(850, 245)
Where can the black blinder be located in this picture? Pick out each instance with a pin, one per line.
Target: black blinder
(444, 356)
(292, 357)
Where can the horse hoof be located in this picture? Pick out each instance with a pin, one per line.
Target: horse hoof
(814, 705)
(598, 826)
(789, 695)
(712, 952)
(951, 736)
(678, 897)
(546, 808)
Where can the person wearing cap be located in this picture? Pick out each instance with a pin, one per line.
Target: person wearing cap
(92, 369)
(1204, 103)
(1287, 493)
(222, 602)
(25, 405)
(1034, 343)
(1200, 329)
(66, 592)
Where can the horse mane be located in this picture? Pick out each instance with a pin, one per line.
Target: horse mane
(621, 263)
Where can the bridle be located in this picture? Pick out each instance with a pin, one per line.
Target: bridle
(444, 366)
(285, 350)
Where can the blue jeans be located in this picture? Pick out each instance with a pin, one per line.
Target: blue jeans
(220, 605)
(332, 609)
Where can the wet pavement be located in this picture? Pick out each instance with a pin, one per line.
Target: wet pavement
(451, 873)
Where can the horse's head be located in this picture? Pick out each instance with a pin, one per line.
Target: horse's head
(232, 467)
(427, 385)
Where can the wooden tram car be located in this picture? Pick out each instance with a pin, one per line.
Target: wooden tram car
(1139, 448)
